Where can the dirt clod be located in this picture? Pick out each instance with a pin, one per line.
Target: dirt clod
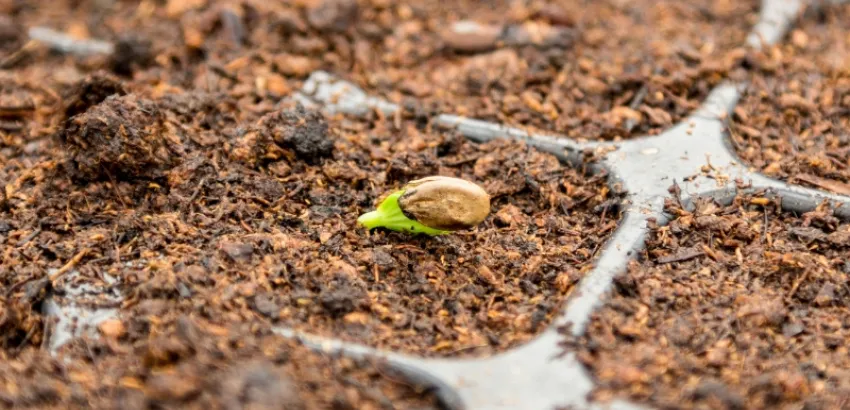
(305, 132)
(131, 52)
(90, 91)
(122, 137)
(332, 15)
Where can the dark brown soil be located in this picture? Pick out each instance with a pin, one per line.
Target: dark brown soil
(185, 336)
(255, 223)
(123, 136)
(172, 174)
(159, 358)
(793, 123)
(585, 69)
(267, 228)
(730, 307)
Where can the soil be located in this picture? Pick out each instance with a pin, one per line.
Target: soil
(260, 220)
(793, 123)
(158, 357)
(729, 307)
(172, 174)
(122, 166)
(583, 69)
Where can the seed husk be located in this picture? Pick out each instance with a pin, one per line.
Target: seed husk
(445, 203)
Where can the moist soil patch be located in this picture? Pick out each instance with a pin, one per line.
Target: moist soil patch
(584, 69)
(258, 221)
(157, 356)
(793, 121)
(738, 306)
(170, 181)
(113, 159)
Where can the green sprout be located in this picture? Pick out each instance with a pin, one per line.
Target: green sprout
(432, 206)
(389, 215)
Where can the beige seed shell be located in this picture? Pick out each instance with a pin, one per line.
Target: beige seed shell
(445, 203)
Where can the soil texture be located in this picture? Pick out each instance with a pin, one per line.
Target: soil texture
(158, 357)
(583, 69)
(793, 123)
(730, 307)
(171, 180)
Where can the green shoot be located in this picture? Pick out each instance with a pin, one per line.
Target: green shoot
(389, 216)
